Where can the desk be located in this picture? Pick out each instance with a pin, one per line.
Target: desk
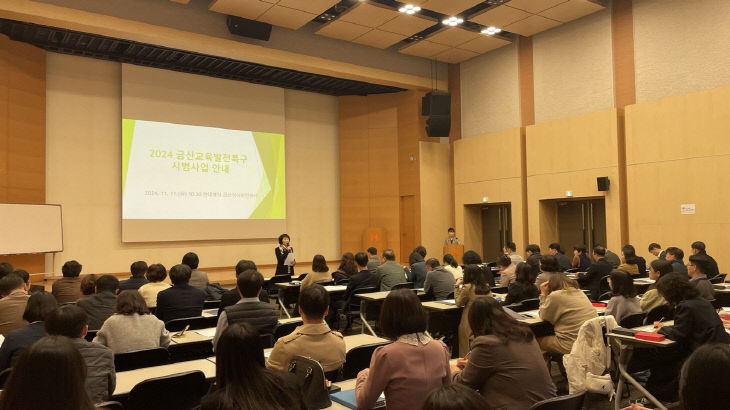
(374, 299)
(628, 343)
(208, 333)
(443, 322)
(351, 342)
(127, 380)
(291, 289)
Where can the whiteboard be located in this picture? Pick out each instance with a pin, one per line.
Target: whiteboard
(30, 228)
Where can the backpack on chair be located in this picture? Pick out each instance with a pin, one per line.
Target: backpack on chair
(312, 379)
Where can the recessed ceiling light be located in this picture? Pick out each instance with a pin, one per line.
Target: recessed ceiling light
(452, 21)
(409, 9)
(491, 30)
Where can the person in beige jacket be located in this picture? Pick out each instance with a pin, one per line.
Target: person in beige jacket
(320, 272)
(15, 297)
(314, 339)
(563, 304)
(466, 291)
(651, 298)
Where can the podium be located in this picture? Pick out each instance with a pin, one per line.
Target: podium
(456, 250)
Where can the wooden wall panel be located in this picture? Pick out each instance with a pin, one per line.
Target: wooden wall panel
(622, 32)
(527, 81)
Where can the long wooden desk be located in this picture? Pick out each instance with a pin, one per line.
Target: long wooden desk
(293, 287)
(208, 333)
(374, 299)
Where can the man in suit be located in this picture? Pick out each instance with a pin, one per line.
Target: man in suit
(181, 300)
(451, 239)
(231, 297)
(373, 261)
(591, 280)
(612, 258)
(563, 261)
(439, 282)
(138, 270)
(101, 304)
(390, 273)
(676, 256)
(362, 279)
(198, 279)
(15, 296)
(532, 258)
(698, 248)
(656, 250)
(261, 315)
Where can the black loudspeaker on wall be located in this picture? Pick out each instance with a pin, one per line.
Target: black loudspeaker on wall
(603, 183)
(437, 105)
(248, 28)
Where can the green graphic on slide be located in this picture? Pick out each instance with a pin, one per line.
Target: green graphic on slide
(271, 151)
(127, 136)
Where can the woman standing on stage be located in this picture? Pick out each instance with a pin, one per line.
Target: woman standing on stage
(284, 267)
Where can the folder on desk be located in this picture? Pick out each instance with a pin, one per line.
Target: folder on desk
(347, 399)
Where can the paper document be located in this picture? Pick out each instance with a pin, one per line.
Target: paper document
(289, 259)
(448, 301)
(210, 332)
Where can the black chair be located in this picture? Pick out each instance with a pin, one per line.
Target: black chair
(516, 307)
(633, 320)
(284, 329)
(211, 304)
(716, 304)
(604, 286)
(4, 376)
(36, 288)
(450, 295)
(659, 312)
(352, 311)
(569, 402)
(719, 278)
(722, 299)
(531, 304)
(605, 296)
(572, 270)
(267, 340)
(110, 405)
(183, 352)
(141, 358)
(90, 335)
(326, 282)
(181, 391)
(406, 285)
(270, 284)
(358, 358)
(197, 322)
(301, 277)
(343, 282)
(499, 289)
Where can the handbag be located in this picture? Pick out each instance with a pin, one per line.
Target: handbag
(312, 379)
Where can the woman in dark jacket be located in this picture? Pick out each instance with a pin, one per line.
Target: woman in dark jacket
(523, 287)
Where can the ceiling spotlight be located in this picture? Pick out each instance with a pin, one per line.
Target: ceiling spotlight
(452, 21)
(409, 9)
(491, 30)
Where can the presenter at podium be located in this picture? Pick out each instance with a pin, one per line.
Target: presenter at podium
(284, 256)
(452, 239)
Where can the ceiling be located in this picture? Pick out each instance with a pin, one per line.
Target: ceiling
(378, 23)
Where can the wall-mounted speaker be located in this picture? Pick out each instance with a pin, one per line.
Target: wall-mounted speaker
(437, 105)
(603, 183)
(248, 28)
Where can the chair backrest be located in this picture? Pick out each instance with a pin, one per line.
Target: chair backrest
(569, 402)
(280, 279)
(605, 296)
(531, 304)
(183, 352)
(141, 358)
(37, 288)
(633, 320)
(4, 376)
(605, 287)
(358, 358)
(343, 282)
(722, 299)
(302, 276)
(267, 340)
(284, 329)
(181, 391)
(718, 279)
(406, 285)
(355, 300)
(326, 282)
(90, 335)
(499, 289)
(197, 322)
(516, 307)
(211, 304)
(110, 405)
(572, 270)
(661, 311)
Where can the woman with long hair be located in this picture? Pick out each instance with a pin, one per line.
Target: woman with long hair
(651, 298)
(242, 381)
(466, 291)
(346, 270)
(631, 263)
(523, 287)
(623, 296)
(49, 375)
(452, 266)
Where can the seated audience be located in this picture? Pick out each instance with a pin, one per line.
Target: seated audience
(71, 321)
(591, 279)
(467, 289)
(346, 269)
(651, 298)
(630, 263)
(181, 300)
(451, 265)
(417, 262)
(702, 374)
(132, 327)
(612, 258)
(696, 268)
(49, 375)
(506, 270)
(581, 261)
(88, 285)
(231, 296)
(198, 279)
(695, 324)
(698, 248)
(39, 306)
(532, 257)
(319, 273)
(102, 304)
(656, 250)
(249, 309)
(23, 275)
(373, 260)
(390, 273)
(138, 270)
(156, 273)
(439, 280)
(564, 305)
(411, 367)
(563, 261)
(313, 339)
(242, 380)
(68, 288)
(472, 258)
(523, 286)
(548, 267)
(676, 256)
(362, 279)
(455, 397)
(5, 268)
(15, 296)
(510, 249)
(623, 300)
(505, 363)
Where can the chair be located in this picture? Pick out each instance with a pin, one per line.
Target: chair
(344, 282)
(270, 284)
(181, 391)
(110, 405)
(267, 340)
(723, 299)
(197, 322)
(406, 285)
(450, 295)
(605, 296)
(183, 352)
(572, 270)
(659, 312)
(531, 304)
(516, 307)
(352, 311)
(37, 288)
(211, 304)
(499, 289)
(90, 335)
(301, 277)
(326, 282)
(4, 376)
(604, 286)
(569, 402)
(284, 329)
(633, 320)
(141, 358)
(717, 279)
(358, 358)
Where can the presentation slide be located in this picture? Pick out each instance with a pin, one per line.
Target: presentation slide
(175, 171)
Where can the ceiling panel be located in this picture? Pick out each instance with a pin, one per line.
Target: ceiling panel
(366, 14)
(500, 16)
(311, 6)
(532, 25)
(342, 30)
(534, 6)
(484, 43)
(407, 25)
(424, 48)
(453, 36)
(250, 9)
(571, 10)
(450, 7)
(455, 56)
(378, 38)
(286, 17)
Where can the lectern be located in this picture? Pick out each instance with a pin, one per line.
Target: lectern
(455, 249)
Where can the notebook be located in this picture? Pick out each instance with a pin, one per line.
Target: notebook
(347, 399)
